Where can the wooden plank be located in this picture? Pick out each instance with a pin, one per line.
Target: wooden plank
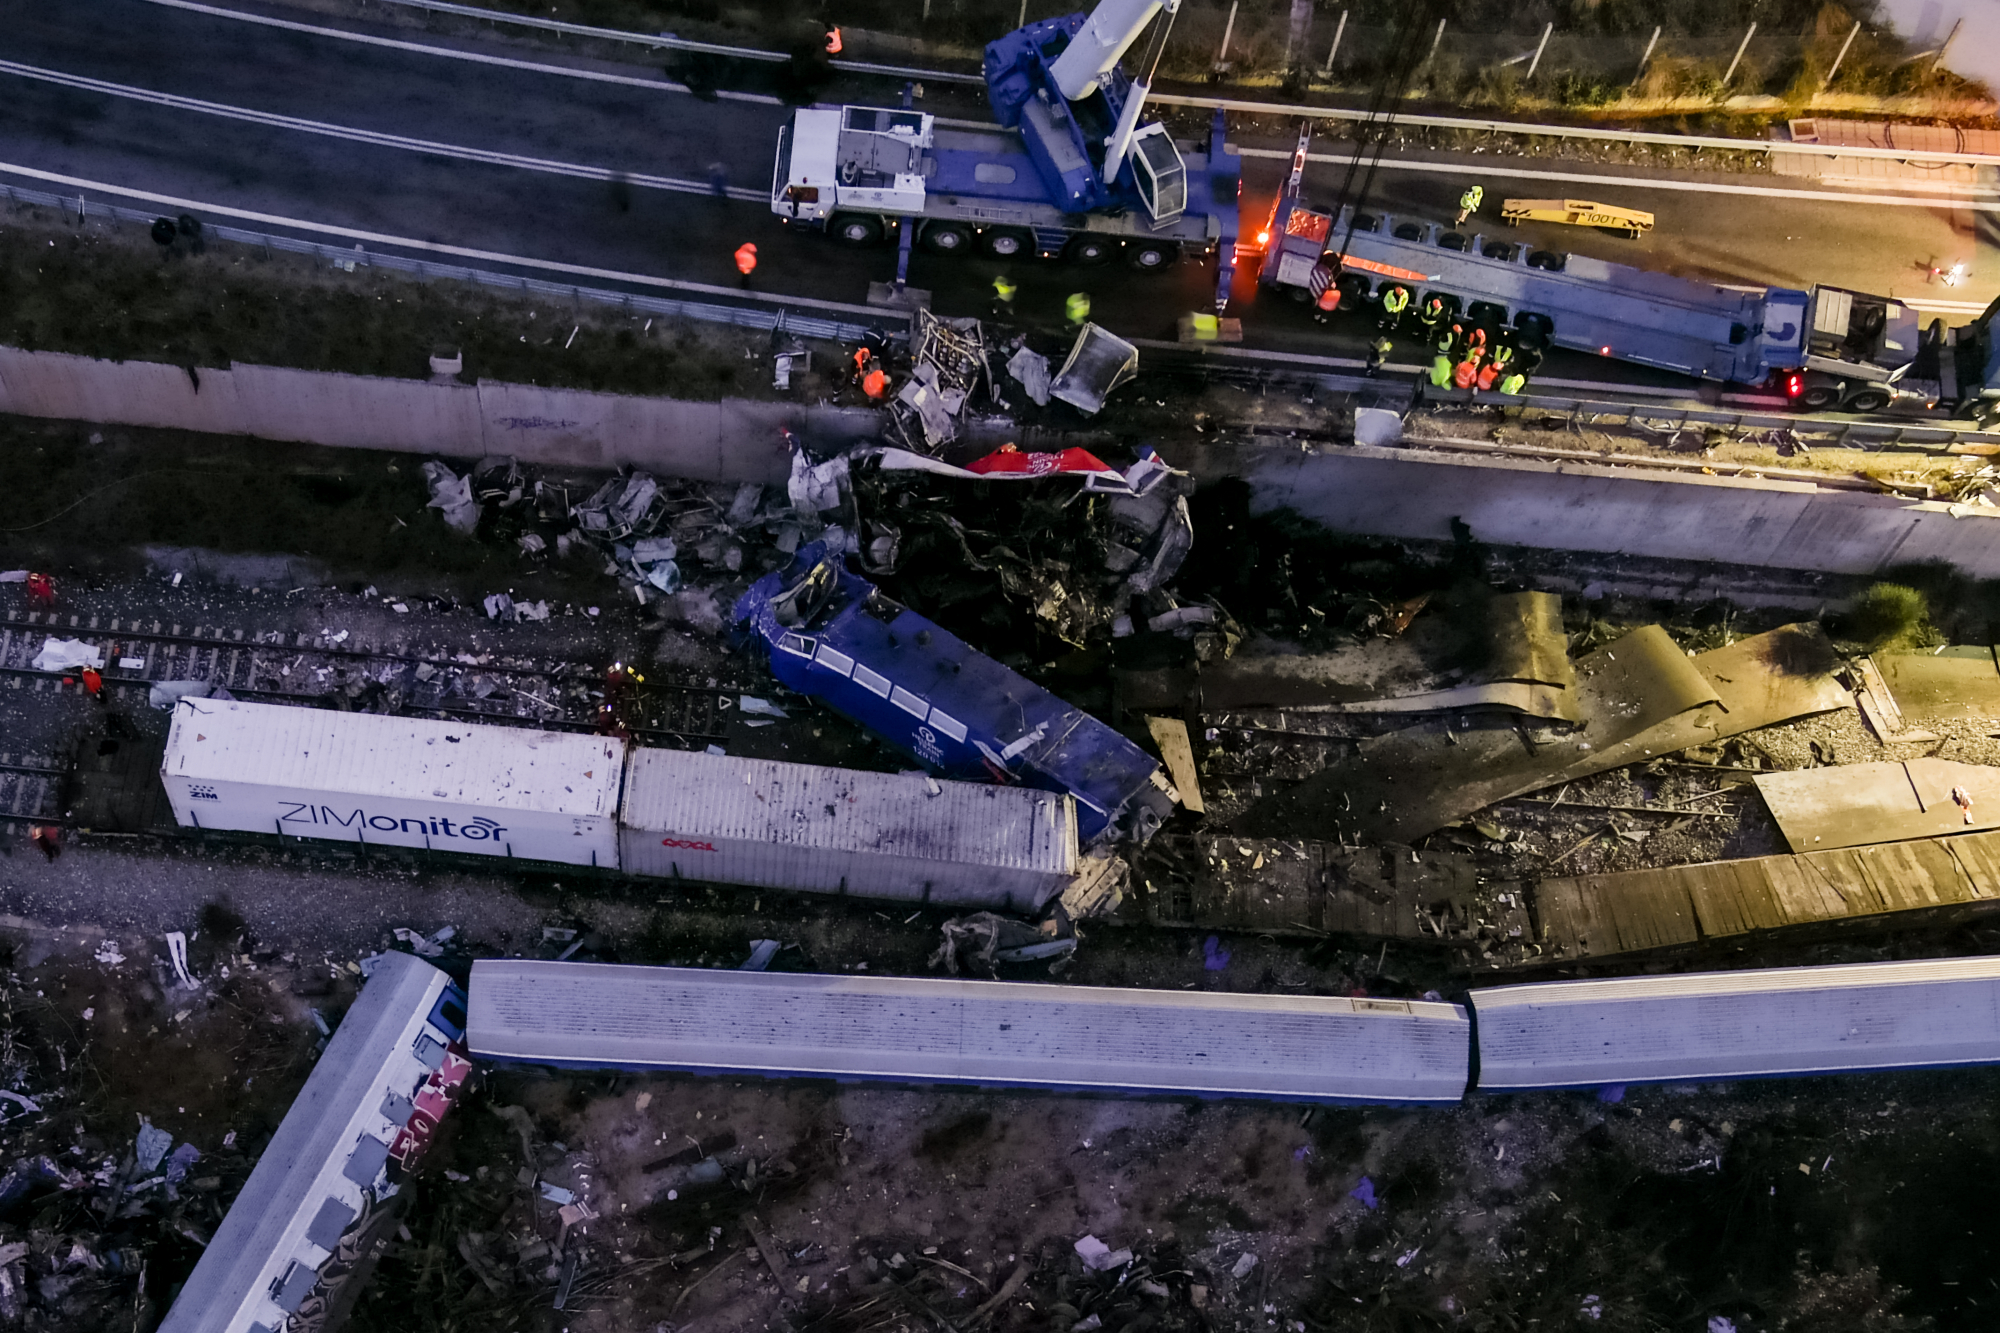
(1655, 911)
(1847, 877)
(1800, 891)
(1171, 735)
(1978, 857)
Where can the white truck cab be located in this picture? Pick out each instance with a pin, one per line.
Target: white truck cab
(855, 158)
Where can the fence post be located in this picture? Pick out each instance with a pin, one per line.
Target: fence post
(1852, 33)
(1338, 30)
(1228, 30)
(1023, 20)
(1647, 58)
(1950, 37)
(1540, 47)
(1431, 54)
(1741, 47)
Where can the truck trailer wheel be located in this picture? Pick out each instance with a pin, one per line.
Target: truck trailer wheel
(855, 230)
(1151, 256)
(947, 238)
(1819, 397)
(1089, 251)
(1868, 400)
(1007, 243)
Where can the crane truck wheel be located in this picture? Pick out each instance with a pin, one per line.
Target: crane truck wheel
(1007, 243)
(855, 230)
(1868, 400)
(1089, 251)
(947, 238)
(1151, 256)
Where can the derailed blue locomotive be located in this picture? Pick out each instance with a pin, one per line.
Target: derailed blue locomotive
(834, 636)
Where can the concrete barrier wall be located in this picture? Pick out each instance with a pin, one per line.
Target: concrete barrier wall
(1372, 491)
(1678, 516)
(733, 440)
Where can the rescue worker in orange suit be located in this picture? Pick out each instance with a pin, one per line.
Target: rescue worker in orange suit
(746, 260)
(1495, 367)
(41, 590)
(1326, 303)
(875, 384)
(864, 356)
(93, 684)
(1465, 374)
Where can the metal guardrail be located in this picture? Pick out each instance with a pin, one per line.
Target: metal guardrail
(1249, 107)
(660, 307)
(1667, 416)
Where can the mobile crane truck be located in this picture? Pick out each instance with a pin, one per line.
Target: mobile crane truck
(1070, 171)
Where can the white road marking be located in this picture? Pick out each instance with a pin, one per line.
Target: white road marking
(374, 138)
(448, 53)
(1642, 182)
(199, 206)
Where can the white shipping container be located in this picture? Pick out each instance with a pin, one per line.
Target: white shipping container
(834, 830)
(395, 781)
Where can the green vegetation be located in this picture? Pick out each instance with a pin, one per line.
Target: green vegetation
(1888, 615)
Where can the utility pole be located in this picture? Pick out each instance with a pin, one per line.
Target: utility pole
(1540, 47)
(1741, 47)
(1852, 33)
(1647, 58)
(1338, 30)
(1431, 54)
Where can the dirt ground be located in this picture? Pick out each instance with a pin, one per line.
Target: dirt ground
(104, 289)
(1815, 1205)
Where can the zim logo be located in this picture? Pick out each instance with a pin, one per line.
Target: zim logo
(202, 794)
(479, 829)
(687, 845)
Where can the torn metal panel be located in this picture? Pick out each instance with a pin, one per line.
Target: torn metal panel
(1855, 804)
(1589, 916)
(1525, 669)
(1404, 785)
(1098, 362)
(1941, 688)
(1030, 369)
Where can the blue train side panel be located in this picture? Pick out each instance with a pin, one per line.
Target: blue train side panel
(833, 636)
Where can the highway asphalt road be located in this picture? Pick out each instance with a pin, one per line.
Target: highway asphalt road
(512, 150)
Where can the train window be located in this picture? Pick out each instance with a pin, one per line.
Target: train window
(1504, 251)
(1454, 240)
(1738, 335)
(1367, 222)
(1547, 259)
(1410, 231)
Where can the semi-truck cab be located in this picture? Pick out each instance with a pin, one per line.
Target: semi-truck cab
(1863, 353)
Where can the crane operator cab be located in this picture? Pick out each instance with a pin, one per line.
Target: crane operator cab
(1159, 174)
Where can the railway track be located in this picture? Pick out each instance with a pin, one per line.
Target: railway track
(30, 787)
(277, 666)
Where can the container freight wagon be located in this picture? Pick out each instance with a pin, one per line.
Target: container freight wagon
(299, 1243)
(833, 636)
(1575, 301)
(991, 1034)
(835, 830)
(394, 781)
